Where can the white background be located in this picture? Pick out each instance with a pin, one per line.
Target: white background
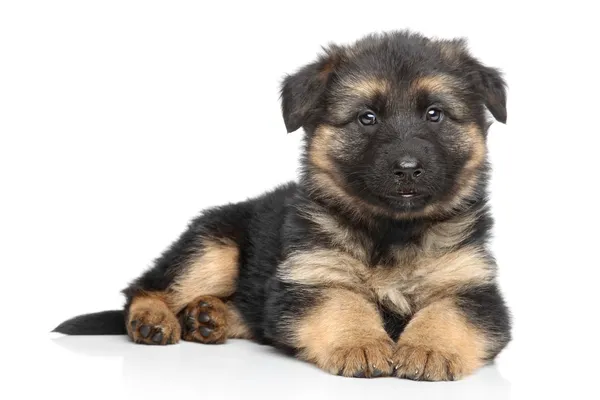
(121, 120)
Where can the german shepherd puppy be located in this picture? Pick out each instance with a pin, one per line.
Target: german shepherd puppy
(375, 263)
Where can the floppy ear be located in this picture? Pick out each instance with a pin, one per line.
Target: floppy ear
(487, 82)
(490, 86)
(301, 92)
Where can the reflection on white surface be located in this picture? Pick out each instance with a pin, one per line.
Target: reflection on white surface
(241, 369)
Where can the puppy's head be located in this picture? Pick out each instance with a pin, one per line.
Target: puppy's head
(395, 124)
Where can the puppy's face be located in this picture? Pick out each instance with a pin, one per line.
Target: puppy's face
(395, 123)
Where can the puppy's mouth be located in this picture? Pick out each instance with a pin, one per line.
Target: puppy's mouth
(407, 193)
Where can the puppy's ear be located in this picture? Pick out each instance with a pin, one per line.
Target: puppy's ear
(301, 92)
(491, 87)
(487, 82)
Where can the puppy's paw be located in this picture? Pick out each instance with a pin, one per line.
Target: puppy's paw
(204, 320)
(371, 359)
(428, 364)
(153, 326)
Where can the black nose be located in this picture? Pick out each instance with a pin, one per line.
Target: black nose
(408, 168)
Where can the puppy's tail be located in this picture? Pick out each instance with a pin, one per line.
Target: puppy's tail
(100, 323)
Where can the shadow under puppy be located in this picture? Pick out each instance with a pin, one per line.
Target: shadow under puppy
(375, 263)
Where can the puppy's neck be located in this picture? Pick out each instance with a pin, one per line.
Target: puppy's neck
(377, 239)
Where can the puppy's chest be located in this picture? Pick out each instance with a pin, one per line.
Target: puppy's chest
(396, 286)
(403, 285)
(420, 277)
(403, 274)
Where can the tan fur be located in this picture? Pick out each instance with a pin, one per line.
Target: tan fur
(439, 237)
(428, 277)
(151, 309)
(322, 267)
(439, 344)
(327, 182)
(419, 274)
(319, 149)
(328, 145)
(448, 234)
(326, 179)
(439, 276)
(236, 327)
(340, 235)
(324, 174)
(474, 140)
(213, 273)
(329, 140)
(371, 88)
(354, 89)
(366, 88)
(439, 83)
(149, 300)
(344, 334)
(444, 86)
(474, 143)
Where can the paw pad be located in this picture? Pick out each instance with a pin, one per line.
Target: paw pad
(204, 320)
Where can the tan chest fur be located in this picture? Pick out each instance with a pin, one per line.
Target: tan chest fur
(419, 274)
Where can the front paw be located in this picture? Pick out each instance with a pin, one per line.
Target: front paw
(371, 359)
(418, 362)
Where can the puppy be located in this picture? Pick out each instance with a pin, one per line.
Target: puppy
(375, 263)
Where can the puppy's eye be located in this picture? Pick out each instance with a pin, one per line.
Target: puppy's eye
(367, 118)
(434, 114)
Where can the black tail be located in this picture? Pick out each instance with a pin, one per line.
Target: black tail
(100, 323)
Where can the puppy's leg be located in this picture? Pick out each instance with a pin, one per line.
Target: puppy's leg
(337, 329)
(203, 262)
(452, 338)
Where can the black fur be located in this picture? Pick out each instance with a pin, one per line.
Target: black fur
(100, 323)
(486, 309)
(301, 93)
(269, 228)
(229, 221)
(394, 323)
